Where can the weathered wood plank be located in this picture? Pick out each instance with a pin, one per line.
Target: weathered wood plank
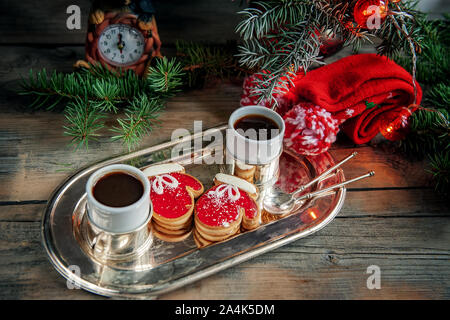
(45, 22)
(413, 254)
(325, 276)
(30, 22)
(21, 212)
(17, 61)
(26, 272)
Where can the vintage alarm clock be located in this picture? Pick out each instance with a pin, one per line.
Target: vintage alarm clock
(122, 34)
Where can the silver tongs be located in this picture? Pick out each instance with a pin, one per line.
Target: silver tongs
(279, 203)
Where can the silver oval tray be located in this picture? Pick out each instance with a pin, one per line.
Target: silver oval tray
(167, 266)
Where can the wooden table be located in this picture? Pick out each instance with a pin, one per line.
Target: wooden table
(394, 220)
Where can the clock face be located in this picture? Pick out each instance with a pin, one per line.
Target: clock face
(121, 45)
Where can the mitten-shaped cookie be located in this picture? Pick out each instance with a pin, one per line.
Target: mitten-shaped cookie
(172, 194)
(220, 211)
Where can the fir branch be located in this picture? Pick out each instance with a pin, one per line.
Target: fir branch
(59, 87)
(398, 29)
(429, 126)
(258, 22)
(106, 93)
(140, 118)
(429, 133)
(165, 77)
(440, 170)
(283, 37)
(84, 120)
(41, 87)
(89, 94)
(439, 96)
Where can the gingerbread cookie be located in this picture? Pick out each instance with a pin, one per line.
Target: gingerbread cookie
(220, 211)
(172, 194)
(250, 220)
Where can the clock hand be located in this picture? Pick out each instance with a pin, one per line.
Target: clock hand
(120, 44)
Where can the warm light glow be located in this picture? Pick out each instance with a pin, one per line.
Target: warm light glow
(312, 214)
(382, 11)
(395, 126)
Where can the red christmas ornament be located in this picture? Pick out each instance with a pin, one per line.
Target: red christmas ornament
(371, 11)
(395, 126)
(310, 130)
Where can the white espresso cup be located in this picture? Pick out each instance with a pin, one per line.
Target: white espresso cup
(253, 151)
(118, 219)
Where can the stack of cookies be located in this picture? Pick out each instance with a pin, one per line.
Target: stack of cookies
(172, 194)
(244, 171)
(222, 210)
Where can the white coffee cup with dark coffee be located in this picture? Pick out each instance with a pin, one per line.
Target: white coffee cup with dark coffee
(255, 135)
(118, 198)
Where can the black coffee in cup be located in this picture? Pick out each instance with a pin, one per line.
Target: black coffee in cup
(118, 189)
(265, 128)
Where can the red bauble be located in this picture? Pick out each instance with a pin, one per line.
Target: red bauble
(395, 125)
(310, 130)
(370, 10)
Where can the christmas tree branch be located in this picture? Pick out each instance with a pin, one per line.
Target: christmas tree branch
(91, 93)
(166, 77)
(140, 118)
(84, 120)
(429, 135)
(440, 169)
(283, 37)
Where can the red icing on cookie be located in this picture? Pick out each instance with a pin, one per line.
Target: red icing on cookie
(172, 201)
(222, 208)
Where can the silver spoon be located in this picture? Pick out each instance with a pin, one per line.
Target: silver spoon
(275, 197)
(280, 208)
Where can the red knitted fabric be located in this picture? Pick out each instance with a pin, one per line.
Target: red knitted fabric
(343, 88)
(310, 129)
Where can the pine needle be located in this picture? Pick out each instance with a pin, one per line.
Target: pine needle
(140, 118)
(165, 77)
(84, 120)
